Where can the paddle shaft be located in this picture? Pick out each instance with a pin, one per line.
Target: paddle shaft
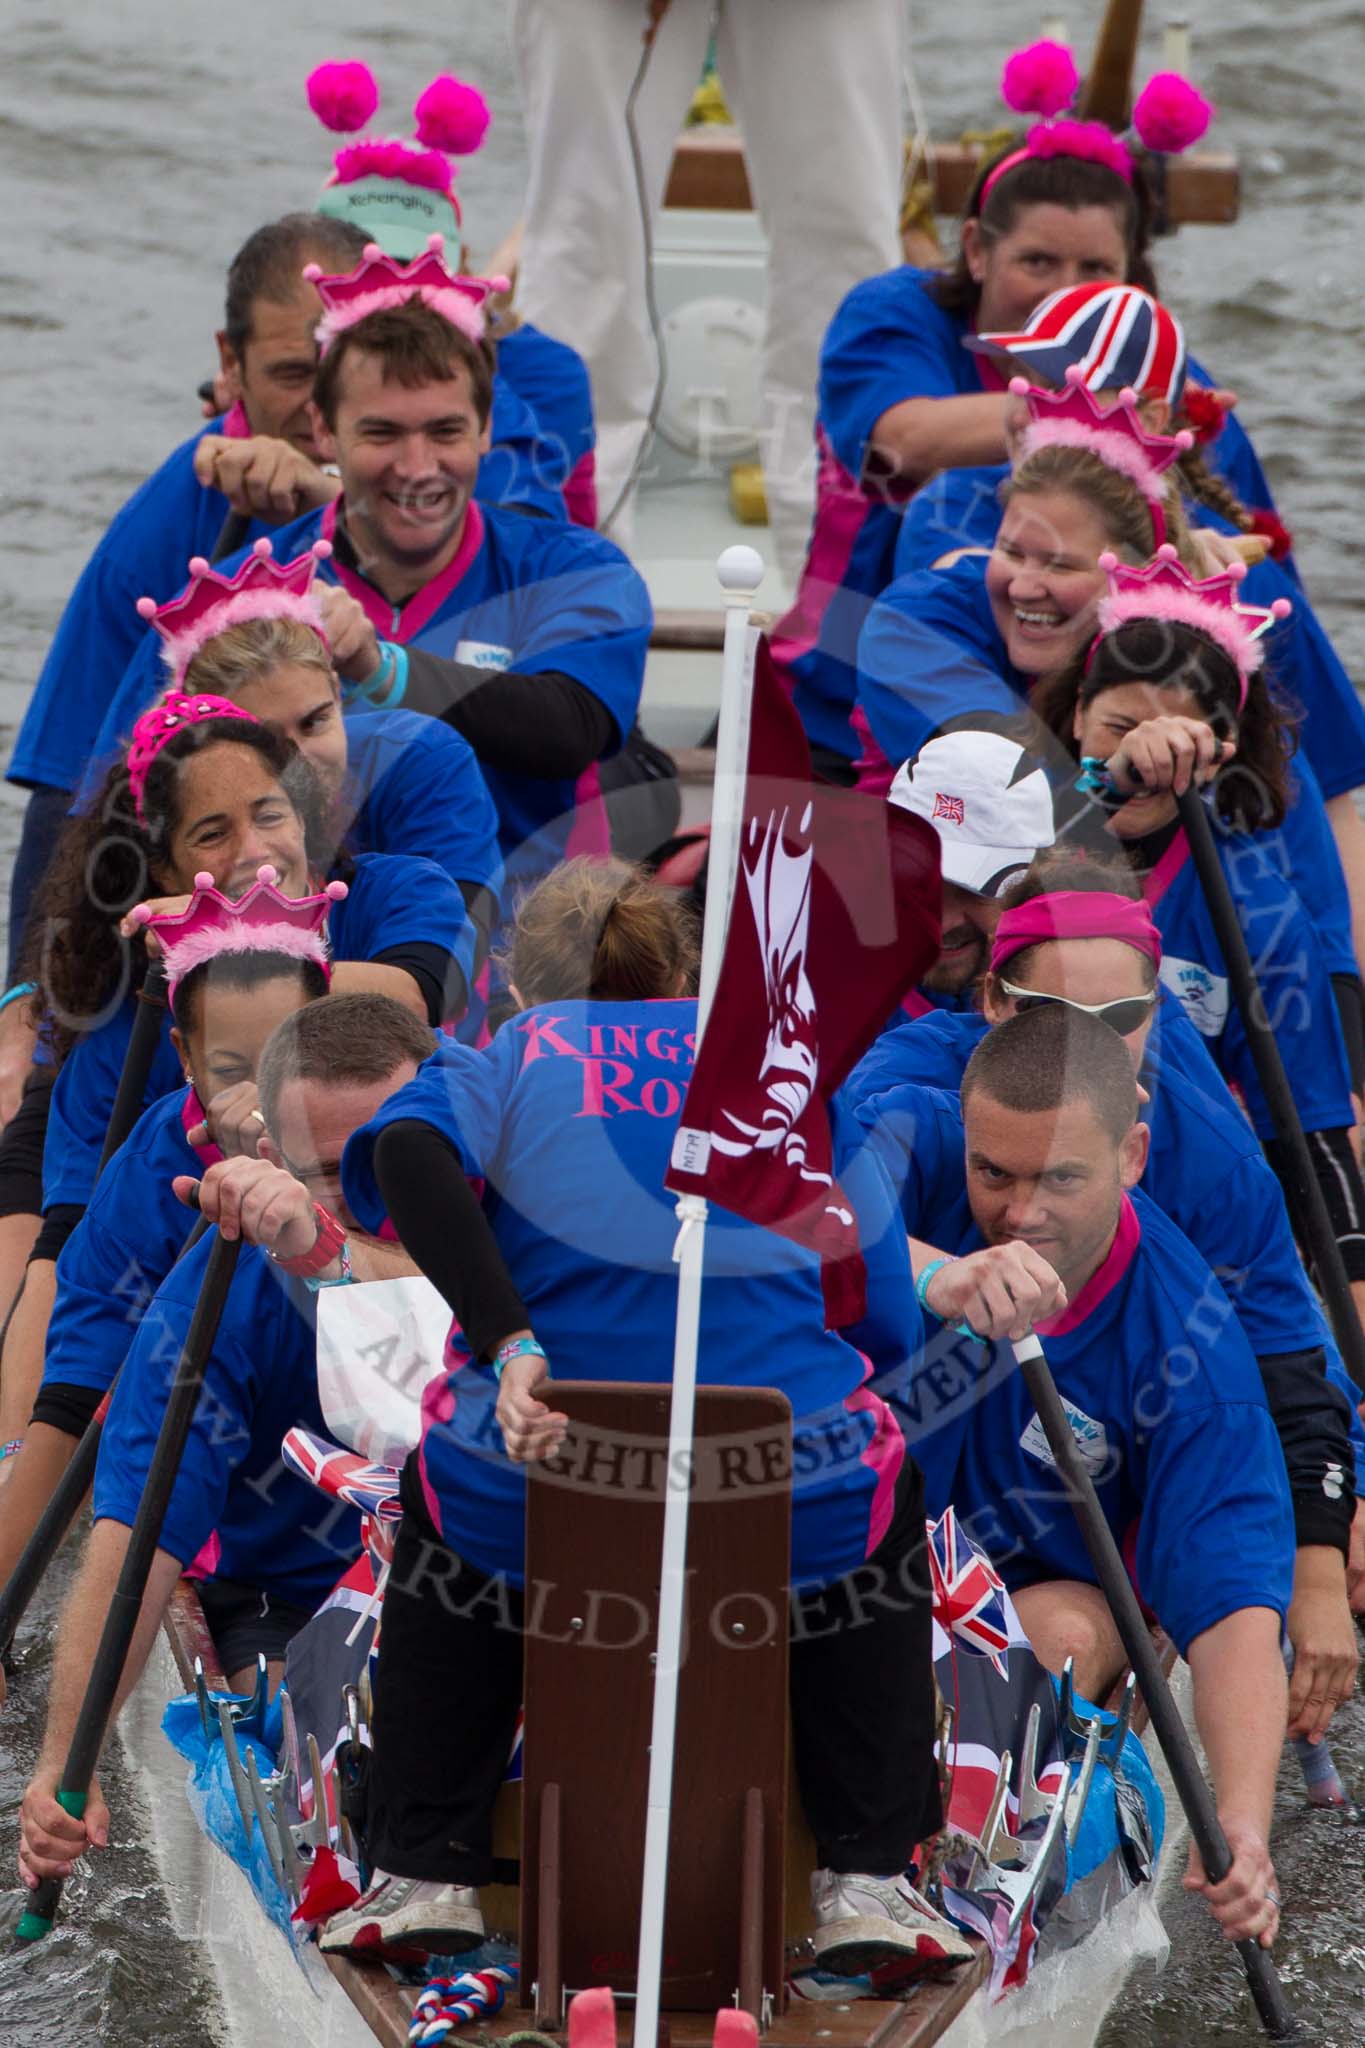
(1309, 1208)
(137, 1060)
(126, 1604)
(51, 1527)
(1176, 1747)
(231, 536)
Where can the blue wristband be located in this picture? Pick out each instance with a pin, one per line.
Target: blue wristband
(387, 686)
(517, 1347)
(15, 994)
(922, 1280)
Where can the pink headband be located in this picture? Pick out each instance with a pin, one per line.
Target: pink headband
(1076, 914)
(161, 723)
(1091, 141)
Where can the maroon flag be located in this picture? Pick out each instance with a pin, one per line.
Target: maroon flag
(836, 913)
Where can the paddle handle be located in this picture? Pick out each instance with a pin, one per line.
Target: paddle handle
(50, 1529)
(137, 1060)
(126, 1604)
(1171, 1733)
(1306, 1202)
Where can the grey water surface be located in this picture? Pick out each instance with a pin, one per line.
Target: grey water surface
(139, 145)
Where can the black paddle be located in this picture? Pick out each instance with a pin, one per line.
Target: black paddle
(50, 1529)
(143, 1040)
(1192, 1792)
(231, 536)
(1309, 1209)
(126, 1604)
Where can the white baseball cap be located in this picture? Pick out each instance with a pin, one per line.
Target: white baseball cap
(988, 801)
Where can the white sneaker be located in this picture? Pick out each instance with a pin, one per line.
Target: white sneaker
(863, 1922)
(407, 1912)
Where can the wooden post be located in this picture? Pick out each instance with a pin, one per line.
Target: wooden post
(1108, 91)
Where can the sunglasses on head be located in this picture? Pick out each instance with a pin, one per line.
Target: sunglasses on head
(1127, 1013)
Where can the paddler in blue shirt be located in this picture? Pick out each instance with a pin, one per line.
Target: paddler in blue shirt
(528, 636)
(271, 1559)
(1163, 1394)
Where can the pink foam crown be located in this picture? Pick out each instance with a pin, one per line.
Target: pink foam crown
(1074, 418)
(166, 718)
(261, 588)
(379, 282)
(1164, 589)
(261, 921)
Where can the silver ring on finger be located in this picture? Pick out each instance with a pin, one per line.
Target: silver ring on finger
(1273, 1899)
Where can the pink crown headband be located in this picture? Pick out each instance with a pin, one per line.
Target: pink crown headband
(1164, 589)
(1075, 914)
(451, 119)
(261, 921)
(1042, 79)
(379, 282)
(166, 718)
(260, 589)
(1115, 435)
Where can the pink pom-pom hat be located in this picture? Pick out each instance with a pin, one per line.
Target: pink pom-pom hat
(169, 716)
(401, 191)
(261, 921)
(378, 282)
(1164, 589)
(261, 588)
(1041, 79)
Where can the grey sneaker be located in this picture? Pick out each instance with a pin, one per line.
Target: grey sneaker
(863, 1922)
(407, 1913)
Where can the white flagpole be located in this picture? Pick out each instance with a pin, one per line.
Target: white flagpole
(740, 570)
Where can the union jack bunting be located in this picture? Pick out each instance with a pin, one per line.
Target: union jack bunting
(343, 1475)
(968, 1592)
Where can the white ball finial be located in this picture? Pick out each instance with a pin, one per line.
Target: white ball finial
(740, 568)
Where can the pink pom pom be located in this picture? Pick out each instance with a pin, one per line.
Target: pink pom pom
(261, 549)
(321, 550)
(1042, 79)
(1020, 386)
(312, 272)
(142, 913)
(146, 607)
(1238, 571)
(451, 115)
(1167, 553)
(1184, 440)
(1091, 141)
(267, 874)
(198, 565)
(203, 880)
(338, 891)
(1170, 113)
(1075, 374)
(1281, 608)
(343, 96)
(1108, 561)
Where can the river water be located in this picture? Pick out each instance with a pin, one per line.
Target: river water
(134, 160)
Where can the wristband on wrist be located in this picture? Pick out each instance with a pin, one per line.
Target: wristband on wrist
(386, 686)
(17, 993)
(517, 1347)
(344, 1277)
(330, 1240)
(922, 1279)
(15, 1443)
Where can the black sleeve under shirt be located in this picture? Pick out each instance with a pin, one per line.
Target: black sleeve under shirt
(441, 1222)
(546, 725)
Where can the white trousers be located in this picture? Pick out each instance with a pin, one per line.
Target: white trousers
(816, 85)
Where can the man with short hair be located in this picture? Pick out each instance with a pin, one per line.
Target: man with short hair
(528, 636)
(1160, 1384)
(324, 1072)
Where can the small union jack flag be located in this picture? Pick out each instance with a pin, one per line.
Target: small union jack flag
(953, 808)
(343, 1475)
(968, 1592)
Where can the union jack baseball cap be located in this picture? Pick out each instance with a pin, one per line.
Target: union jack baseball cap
(1117, 333)
(988, 801)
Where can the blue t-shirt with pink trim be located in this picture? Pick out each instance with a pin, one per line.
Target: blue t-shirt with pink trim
(890, 341)
(553, 380)
(568, 1119)
(1164, 1396)
(530, 595)
(273, 1530)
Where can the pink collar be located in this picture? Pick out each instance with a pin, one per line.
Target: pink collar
(192, 1113)
(236, 426)
(1104, 1279)
(1166, 870)
(405, 624)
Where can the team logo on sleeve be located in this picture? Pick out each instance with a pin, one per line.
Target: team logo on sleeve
(952, 809)
(1203, 996)
(484, 654)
